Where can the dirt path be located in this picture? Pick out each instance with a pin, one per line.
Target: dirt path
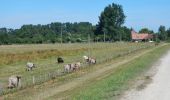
(159, 88)
(44, 94)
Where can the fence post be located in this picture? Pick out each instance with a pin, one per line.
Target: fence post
(45, 77)
(1, 90)
(59, 72)
(33, 80)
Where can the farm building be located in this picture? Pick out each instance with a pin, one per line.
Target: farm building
(141, 36)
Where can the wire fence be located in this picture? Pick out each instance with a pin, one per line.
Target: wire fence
(44, 77)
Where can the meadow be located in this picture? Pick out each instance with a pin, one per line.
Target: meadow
(14, 58)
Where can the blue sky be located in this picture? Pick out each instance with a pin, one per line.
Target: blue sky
(140, 13)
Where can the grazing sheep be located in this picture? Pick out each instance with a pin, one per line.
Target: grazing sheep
(156, 44)
(14, 81)
(68, 68)
(30, 66)
(72, 67)
(60, 60)
(90, 60)
(77, 66)
(86, 59)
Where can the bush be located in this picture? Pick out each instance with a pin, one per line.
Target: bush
(168, 39)
(79, 40)
(157, 41)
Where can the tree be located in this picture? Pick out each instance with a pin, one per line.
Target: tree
(162, 33)
(168, 32)
(110, 21)
(146, 30)
(38, 38)
(49, 33)
(126, 34)
(168, 35)
(4, 38)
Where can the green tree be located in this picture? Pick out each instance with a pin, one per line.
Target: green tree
(168, 32)
(49, 33)
(162, 33)
(146, 30)
(125, 34)
(110, 21)
(4, 38)
(168, 35)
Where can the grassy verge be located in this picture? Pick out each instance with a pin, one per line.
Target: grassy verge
(111, 86)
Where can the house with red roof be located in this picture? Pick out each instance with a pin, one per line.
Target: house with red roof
(141, 36)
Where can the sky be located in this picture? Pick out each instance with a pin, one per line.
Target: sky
(139, 13)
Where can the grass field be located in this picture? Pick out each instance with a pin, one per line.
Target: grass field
(14, 57)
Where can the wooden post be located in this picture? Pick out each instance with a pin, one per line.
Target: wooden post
(89, 44)
(44, 77)
(61, 34)
(104, 37)
(33, 80)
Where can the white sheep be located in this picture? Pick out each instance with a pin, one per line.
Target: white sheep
(30, 66)
(90, 60)
(14, 81)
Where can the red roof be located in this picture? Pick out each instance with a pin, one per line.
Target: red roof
(141, 36)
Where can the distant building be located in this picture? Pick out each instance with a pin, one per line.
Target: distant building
(141, 36)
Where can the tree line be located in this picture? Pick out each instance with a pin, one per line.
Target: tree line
(163, 34)
(50, 33)
(109, 28)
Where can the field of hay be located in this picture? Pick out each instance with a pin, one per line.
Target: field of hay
(14, 58)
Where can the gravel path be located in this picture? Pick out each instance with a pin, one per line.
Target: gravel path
(159, 88)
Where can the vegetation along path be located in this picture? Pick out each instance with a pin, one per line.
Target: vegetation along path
(159, 88)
